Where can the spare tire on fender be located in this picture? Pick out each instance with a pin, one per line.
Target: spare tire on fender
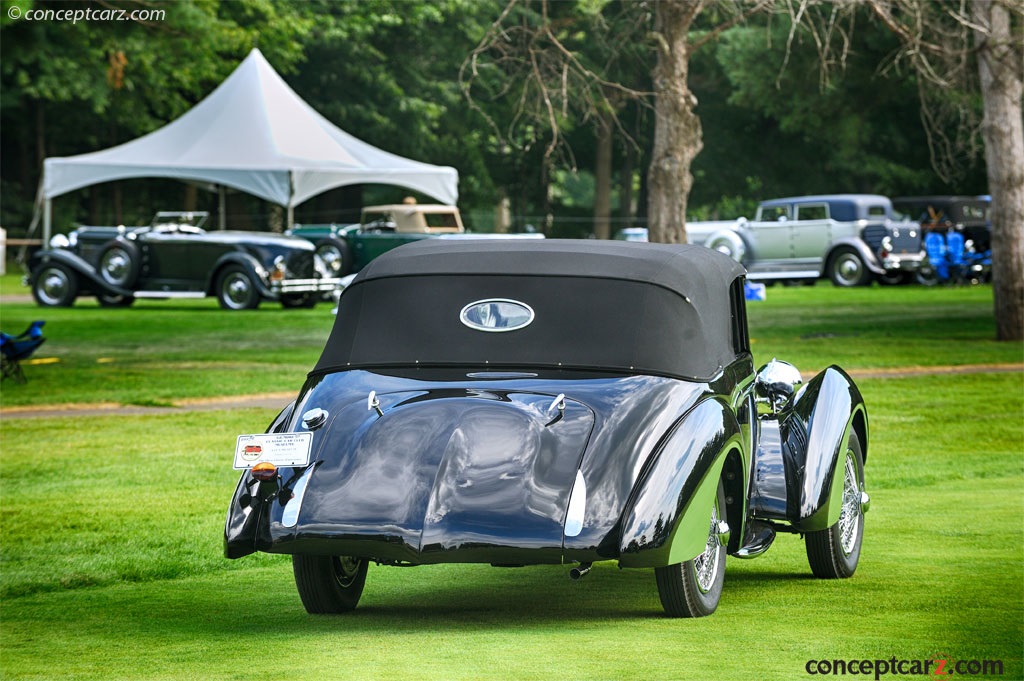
(119, 263)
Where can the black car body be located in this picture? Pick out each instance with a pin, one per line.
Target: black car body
(566, 402)
(175, 258)
(958, 236)
(969, 215)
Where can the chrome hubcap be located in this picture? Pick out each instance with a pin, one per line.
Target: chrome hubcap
(848, 268)
(706, 565)
(115, 266)
(54, 287)
(237, 290)
(849, 517)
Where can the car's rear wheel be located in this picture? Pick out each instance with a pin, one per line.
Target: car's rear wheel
(834, 552)
(693, 588)
(236, 289)
(55, 286)
(336, 255)
(107, 300)
(329, 584)
(927, 275)
(846, 269)
(119, 264)
(299, 300)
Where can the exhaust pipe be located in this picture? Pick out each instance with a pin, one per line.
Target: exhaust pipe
(580, 571)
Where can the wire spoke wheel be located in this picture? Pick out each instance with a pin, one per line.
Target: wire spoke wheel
(329, 584)
(833, 553)
(693, 588)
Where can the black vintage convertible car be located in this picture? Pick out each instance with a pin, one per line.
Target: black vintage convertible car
(174, 257)
(551, 402)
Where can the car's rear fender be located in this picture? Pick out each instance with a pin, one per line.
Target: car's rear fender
(246, 520)
(94, 282)
(814, 436)
(249, 263)
(666, 519)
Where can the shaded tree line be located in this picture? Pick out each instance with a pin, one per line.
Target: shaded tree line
(571, 158)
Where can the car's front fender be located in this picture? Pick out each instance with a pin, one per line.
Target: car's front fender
(257, 271)
(815, 435)
(76, 263)
(870, 259)
(666, 519)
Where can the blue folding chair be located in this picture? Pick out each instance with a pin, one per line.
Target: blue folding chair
(14, 349)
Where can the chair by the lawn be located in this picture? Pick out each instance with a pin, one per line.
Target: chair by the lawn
(14, 349)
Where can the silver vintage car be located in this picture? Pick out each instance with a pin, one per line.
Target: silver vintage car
(849, 238)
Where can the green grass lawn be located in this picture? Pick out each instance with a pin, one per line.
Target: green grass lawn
(111, 546)
(157, 352)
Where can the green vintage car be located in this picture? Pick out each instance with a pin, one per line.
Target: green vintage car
(347, 248)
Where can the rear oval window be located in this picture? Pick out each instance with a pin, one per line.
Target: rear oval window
(496, 315)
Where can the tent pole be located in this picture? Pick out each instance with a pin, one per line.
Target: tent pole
(47, 221)
(221, 221)
(291, 195)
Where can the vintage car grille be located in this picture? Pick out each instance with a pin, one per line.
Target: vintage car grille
(906, 238)
(300, 265)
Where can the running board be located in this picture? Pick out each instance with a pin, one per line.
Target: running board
(168, 294)
(795, 274)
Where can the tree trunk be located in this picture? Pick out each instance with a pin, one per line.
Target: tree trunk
(603, 180)
(677, 130)
(999, 64)
(626, 211)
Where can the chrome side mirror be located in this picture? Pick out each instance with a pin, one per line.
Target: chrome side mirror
(776, 383)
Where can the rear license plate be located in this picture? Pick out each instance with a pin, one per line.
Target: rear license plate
(280, 449)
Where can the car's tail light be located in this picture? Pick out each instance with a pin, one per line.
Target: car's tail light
(264, 471)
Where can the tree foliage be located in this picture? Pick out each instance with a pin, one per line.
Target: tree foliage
(543, 78)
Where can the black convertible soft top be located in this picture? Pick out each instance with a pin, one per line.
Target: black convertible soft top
(604, 305)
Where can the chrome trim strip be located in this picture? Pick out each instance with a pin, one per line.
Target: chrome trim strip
(476, 326)
(169, 294)
(290, 515)
(577, 507)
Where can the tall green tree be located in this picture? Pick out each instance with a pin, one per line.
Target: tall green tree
(69, 87)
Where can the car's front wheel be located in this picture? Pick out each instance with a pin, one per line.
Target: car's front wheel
(236, 289)
(835, 551)
(329, 584)
(55, 286)
(693, 588)
(846, 269)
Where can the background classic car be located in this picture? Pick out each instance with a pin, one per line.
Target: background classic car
(175, 258)
(524, 402)
(958, 236)
(348, 248)
(849, 238)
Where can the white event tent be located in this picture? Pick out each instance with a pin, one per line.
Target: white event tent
(254, 134)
